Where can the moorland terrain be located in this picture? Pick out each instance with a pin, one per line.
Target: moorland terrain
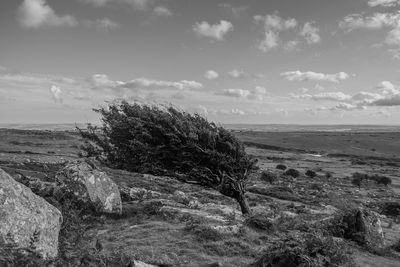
(168, 223)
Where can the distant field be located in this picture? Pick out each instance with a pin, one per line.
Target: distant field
(365, 144)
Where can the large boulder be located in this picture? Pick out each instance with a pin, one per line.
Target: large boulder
(27, 220)
(360, 225)
(89, 185)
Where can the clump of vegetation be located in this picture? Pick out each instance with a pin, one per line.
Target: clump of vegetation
(390, 208)
(259, 221)
(167, 141)
(12, 255)
(202, 230)
(306, 250)
(396, 246)
(293, 173)
(268, 177)
(281, 167)
(311, 173)
(357, 181)
(378, 179)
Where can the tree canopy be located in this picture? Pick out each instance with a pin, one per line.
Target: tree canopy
(163, 140)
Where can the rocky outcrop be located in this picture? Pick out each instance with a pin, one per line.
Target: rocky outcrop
(26, 219)
(360, 225)
(90, 185)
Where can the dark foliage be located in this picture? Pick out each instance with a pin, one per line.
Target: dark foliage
(379, 179)
(311, 173)
(293, 173)
(167, 141)
(306, 250)
(281, 167)
(390, 208)
(357, 181)
(268, 177)
(259, 221)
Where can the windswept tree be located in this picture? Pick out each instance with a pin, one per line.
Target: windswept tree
(166, 141)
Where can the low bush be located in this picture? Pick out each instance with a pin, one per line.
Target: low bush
(379, 179)
(281, 167)
(268, 177)
(259, 221)
(202, 230)
(357, 181)
(293, 173)
(311, 173)
(390, 208)
(311, 250)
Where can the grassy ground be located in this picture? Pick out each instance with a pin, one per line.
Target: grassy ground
(168, 231)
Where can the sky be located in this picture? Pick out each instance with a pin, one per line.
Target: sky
(255, 62)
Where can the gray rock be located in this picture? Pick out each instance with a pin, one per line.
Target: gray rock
(26, 217)
(88, 184)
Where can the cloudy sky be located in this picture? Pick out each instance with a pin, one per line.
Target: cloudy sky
(275, 61)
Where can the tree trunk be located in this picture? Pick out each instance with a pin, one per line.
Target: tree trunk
(244, 205)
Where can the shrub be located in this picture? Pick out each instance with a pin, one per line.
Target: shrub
(293, 173)
(259, 221)
(311, 173)
(268, 177)
(281, 167)
(357, 181)
(167, 141)
(396, 246)
(390, 208)
(383, 180)
(379, 179)
(312, 250)
(202, 230)
(328, 175)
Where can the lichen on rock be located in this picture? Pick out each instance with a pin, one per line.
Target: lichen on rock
(26, 219)
(90, 185)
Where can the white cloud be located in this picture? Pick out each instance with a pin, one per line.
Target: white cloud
(347, 107)
(393, 37)
(310, 33)
(384, 3)
(258, 93)
(237, 74)
(235, 93)
(211, 75)
(303, 90)
(375, 21)
(388, 88)
(37, 13)
(326, 96)
(291, 45)
(56, 93)
(314, 76)
(162, 11)
(104, 24)
(215, 31)
(273, 24)
(102, 81)
(234, 111)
